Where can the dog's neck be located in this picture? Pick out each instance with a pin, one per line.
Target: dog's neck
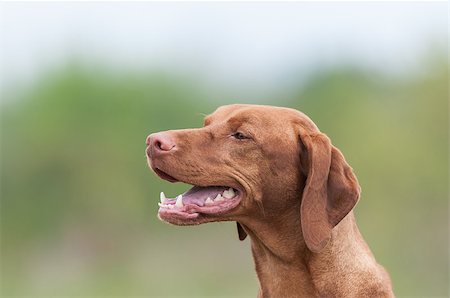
(286, 267)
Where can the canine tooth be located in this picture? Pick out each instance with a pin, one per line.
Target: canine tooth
(209, 201)
(162, 197)
(219, 198)
(170, 206)
(229, 193)
(179, 202)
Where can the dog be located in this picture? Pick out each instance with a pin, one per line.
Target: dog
(287, 187)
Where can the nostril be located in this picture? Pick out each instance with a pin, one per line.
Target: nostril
(158, 145)
(164, 146)
(162, 142)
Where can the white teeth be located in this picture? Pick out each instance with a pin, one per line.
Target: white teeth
(179, 202)
(209, 201)
(164, 205)
(229, 193)
(219, 198)
(162, 197)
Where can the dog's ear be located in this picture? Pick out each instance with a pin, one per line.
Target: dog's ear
(241, 232)
(331, 189)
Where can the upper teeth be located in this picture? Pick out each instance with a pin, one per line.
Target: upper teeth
(228, 194)
(179, 202)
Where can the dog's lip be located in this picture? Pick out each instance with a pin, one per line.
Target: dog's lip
(168, 177)
(163, 175)
(194, 207)
(194, 213)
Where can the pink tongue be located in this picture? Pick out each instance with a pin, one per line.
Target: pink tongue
(198, 195)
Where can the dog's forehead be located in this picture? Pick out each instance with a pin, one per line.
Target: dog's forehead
(248, 113)
(257, 114)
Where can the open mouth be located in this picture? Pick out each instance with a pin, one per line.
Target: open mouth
(197, 204)
(211, 200)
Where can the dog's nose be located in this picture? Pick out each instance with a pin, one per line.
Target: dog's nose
(159, 143)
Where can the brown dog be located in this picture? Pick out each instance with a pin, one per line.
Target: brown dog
(272, 171)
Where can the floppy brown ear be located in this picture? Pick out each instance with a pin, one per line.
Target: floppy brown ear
(241, 232)
(331, 189)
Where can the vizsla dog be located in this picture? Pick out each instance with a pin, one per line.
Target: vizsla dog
(272, 171)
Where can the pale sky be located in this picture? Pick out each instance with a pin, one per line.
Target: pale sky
(230, 44)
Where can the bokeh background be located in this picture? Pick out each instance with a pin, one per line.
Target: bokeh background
(83, 84)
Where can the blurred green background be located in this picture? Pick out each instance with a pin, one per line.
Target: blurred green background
(79, 205)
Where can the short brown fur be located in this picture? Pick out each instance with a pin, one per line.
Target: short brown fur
(298, 196)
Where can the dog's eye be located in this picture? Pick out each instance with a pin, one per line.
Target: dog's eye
(239, 135)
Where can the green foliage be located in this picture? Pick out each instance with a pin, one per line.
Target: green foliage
(78, 210)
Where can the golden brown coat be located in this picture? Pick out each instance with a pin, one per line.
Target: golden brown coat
(299, 193)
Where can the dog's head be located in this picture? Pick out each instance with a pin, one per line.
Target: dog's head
(257, 162)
